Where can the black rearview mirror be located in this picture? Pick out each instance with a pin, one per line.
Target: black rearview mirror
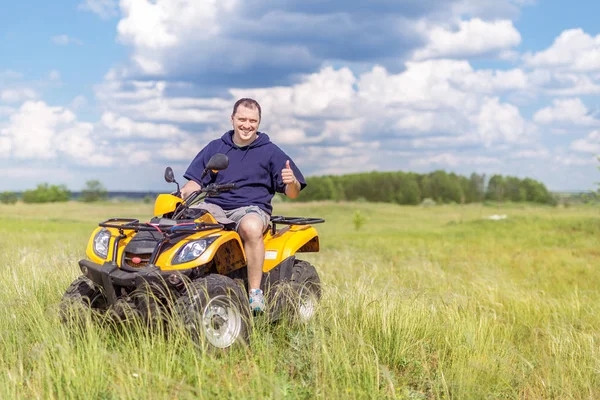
(218, 162)
(169, 175)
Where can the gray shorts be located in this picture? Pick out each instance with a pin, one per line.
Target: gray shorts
(234, 216)
(238, 214)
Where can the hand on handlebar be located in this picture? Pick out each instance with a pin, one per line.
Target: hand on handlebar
(188, 189)
(213, 189)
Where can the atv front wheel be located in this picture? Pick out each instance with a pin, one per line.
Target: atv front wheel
(81, 297)
(216, 312)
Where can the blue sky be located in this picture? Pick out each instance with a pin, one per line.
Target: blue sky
(118, 89)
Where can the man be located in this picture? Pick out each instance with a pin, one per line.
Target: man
(259, 169)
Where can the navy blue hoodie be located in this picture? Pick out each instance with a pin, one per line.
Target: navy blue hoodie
(255, 169)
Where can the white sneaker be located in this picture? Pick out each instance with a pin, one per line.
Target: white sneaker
(257, 300)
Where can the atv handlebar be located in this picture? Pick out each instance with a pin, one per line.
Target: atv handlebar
(216, 189)
(210, 190)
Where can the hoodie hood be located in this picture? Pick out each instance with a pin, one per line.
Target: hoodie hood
(262, 139)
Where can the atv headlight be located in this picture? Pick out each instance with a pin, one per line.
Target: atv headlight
(192, 250)
(101, 243)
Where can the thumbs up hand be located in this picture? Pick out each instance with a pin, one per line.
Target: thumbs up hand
(287, 175)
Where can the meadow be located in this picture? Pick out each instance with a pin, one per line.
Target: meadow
(419, 303)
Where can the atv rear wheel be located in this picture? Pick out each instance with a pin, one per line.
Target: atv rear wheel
(216, 312)
(307, 283)
(299, 296)
(81, 297)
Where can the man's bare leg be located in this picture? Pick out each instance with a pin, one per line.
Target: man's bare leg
(251, 230)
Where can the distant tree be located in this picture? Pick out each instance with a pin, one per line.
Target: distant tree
(319, 188)
(45, 193)
(425, 185)
(409, 191)
(94, 191)
(535, 191)
(513, 190)
(8, 198)
(475, 191)
(495, 188)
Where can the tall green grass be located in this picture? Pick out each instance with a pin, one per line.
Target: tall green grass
(418, 303)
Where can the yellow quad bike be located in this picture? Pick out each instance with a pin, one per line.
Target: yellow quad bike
(184, 262)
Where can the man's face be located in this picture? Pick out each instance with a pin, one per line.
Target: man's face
(245, 125)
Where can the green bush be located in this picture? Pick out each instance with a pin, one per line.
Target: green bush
(45, 193)
(8, 198)
(94, 191)
(358, 220)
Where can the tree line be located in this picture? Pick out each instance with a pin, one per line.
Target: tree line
(45, 193)
(412, 188)
(389, 187)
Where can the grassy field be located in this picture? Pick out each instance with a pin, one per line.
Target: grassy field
(419, 303)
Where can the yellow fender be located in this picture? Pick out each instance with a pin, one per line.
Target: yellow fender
(166, 203)
(287, 242)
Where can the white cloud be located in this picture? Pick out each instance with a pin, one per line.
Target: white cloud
(192, 39)
(570, 160)
(105, 9)
(492, 81)
(435, 142)
(565, 111)
(152, 26)
(34, 174)
(65, 40)
(326, 93)
(442, 97)
(343, 130)
(123, 127)
(339, 159)
(423, 86)
(17, 95)
(452, 160)
(571, 84)
(473, 37)
(40, 132)
(498, 122)
(572, 50)
(149, 101)
(531, 153)
(590, 144)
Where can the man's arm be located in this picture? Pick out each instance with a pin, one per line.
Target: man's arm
(189, 188)
(292, 190)
(292, 186)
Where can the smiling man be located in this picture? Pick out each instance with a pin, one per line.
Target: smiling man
(259, 169)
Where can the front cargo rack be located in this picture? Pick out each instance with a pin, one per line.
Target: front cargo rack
(277, 219)
(130, 224)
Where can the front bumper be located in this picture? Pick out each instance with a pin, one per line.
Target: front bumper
(112, 278)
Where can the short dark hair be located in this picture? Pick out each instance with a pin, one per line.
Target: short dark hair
(247, 102)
